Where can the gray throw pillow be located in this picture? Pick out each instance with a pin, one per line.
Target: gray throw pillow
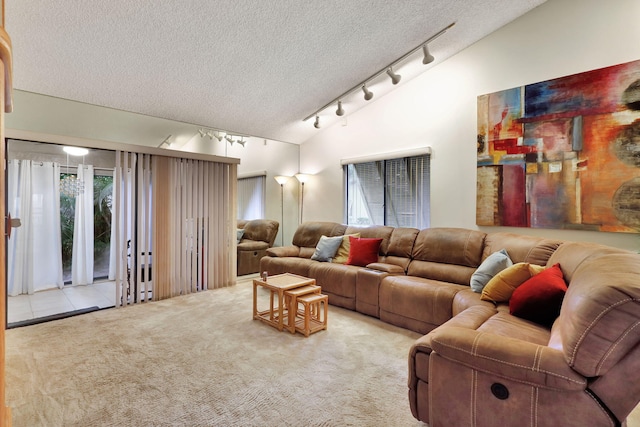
(494, 264)
(239, 234)
(326, 248)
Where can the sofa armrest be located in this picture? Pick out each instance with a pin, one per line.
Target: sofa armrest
(283, 251)
(386, 268)
(252, 245)
(507, 357)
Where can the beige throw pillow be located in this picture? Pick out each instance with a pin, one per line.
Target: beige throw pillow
(502, 285)
(342, 255)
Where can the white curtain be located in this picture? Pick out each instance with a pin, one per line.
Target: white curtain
(82, 258)
(112, 245)
(34, 249)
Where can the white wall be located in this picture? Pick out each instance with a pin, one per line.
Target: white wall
(274, 157)
(438, 108)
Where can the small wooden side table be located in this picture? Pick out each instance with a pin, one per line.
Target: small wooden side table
(315, 314)
(276, 285)
(291, 299)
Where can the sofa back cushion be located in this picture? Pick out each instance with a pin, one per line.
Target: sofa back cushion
(599, 317)
(374, 232)
(261, 230)
(457, 246)
(571, 255)
(447, 254)
(400, 247)
(521, 248)
(308, 234)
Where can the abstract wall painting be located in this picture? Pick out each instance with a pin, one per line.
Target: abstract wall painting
(563, 153)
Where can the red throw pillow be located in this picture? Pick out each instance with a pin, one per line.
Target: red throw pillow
(363, 251)
(539, 298)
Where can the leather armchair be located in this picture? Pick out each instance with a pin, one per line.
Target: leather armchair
(259, 235)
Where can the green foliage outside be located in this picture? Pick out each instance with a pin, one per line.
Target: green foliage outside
(102, 190)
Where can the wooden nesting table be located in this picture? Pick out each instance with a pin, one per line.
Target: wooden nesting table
(284, 291)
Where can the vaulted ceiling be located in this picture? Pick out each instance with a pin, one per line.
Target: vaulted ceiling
(246, 66)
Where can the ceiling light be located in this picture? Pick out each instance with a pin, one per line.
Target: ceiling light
(202, 133)
(340, 110)
(316, 124)
(428, 58)
(395, 78)
(367, 93)
(229, 138)
(219, 137)
(75, 151)
(241, 141)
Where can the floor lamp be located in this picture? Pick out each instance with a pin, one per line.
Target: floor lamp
(282, 180)
(302, 178)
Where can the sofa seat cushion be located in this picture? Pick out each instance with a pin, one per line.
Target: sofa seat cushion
(471, 318)
(452, 273)
(338, 281)
(279, 265)
(467, 298)
(416, 303)
(507, 325)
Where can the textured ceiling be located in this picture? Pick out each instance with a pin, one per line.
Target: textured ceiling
(246, 66)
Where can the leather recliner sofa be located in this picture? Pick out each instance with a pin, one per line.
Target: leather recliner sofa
(478, 365)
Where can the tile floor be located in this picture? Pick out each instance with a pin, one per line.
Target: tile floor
(55, 301)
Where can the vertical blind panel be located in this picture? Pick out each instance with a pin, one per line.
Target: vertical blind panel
(197, 219)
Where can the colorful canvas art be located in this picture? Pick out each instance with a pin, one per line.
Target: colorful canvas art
(563, 153)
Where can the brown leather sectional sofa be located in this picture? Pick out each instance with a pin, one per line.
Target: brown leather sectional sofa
(478, 365)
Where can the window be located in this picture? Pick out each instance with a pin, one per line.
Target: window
(392, 192)
(251, 197)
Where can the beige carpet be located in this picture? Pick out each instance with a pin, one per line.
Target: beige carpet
(200, 360)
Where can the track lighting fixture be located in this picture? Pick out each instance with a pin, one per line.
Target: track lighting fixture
(395, 78)
(367, 93)
(219, 135)
(428, 58)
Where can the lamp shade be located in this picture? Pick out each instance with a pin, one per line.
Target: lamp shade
(302, 177)
(282, 180)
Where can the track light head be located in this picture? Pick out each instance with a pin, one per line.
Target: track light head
(219, 137)
(395, 78)
(241, 141)
(367, 93)
(202, 133)
(316, 124)
(428, 58)
(340, 110)
(229, 138)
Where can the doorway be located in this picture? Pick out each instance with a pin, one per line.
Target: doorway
(58, 259)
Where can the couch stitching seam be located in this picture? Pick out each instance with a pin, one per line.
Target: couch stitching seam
(593, 322)
(507, 363)
(613, 347)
